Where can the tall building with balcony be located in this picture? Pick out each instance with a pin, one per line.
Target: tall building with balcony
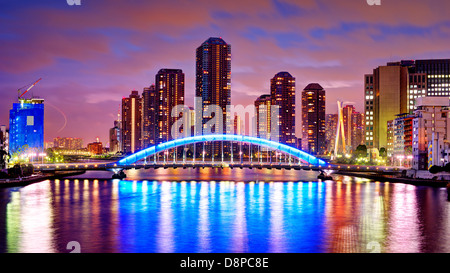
(282, 92)
(150, 107)
(402, 139)
(213, 77)
(357, 130)
(115, 141)
(26, 126)
(131, 123)
(313, 119)
(263, 116)
(390, 140)
(170, 93)
(213, 87)
(331, 122)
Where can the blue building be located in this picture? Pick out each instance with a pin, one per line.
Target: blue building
(26, 126)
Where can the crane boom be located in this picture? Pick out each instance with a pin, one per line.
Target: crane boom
(29, 88)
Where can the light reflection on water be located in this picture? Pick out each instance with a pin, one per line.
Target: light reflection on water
(182, 213)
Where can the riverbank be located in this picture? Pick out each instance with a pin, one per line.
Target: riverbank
(23, 181)
(394, 179)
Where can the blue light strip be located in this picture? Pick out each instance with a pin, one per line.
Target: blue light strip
(238, 138)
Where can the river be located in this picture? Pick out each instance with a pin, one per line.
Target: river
(223, 210)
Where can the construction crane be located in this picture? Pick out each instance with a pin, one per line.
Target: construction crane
(28, 89)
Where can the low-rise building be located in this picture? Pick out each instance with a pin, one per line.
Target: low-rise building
(431, 132)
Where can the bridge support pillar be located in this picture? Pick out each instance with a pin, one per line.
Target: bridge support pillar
(119, 175)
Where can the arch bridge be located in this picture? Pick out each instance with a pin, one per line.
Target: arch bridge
(298, 159)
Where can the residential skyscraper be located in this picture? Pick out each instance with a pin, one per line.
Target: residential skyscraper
(115, 143)
(149, 116)
(313, 119)
(213, 76)
(263, 116)
(131, 122)
(282, 91)
(353, 127)
(169, 84)
(213, 88)
(331, 122)
(358, 129)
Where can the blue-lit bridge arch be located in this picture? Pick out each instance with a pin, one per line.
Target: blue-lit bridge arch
(310, 159)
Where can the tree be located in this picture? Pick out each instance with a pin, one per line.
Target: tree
(3, 155)
(361, 151)
(383, 152)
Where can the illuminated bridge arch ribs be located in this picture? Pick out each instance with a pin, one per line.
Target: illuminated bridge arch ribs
(310, 159)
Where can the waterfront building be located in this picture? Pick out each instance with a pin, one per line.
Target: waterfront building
(385, 97)
(213, 88)
(431, 133)
(282, 92)
(213, 77)
(150, 98)
(402, 140)
(95, 148)
(313, 119)
(26, 126)
(437, 77)
(331, 122)
(68, 143)
(131, 122)
(4, 138)
(115, 143)
(390, 139)
(393, 89)
(169, 85)
(263, 116)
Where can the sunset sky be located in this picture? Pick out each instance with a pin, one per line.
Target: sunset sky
(90, 56)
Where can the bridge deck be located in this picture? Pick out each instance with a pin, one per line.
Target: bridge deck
(256, 165)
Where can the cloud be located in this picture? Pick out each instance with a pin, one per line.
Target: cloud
(91, 56)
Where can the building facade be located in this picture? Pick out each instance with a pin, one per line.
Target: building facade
(115, 138)
(213, 89)
(331, 122)
(393, 89)
(170, 93)
(431, 133)
(131, 123)
(213, 78)
(313, 119)
(26, 126)
(68, 143)
(402, 140)
(282, 92)
(263, 116)
(95, 148)
(150, 107)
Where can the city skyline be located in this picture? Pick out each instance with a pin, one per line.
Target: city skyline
(125, 54)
